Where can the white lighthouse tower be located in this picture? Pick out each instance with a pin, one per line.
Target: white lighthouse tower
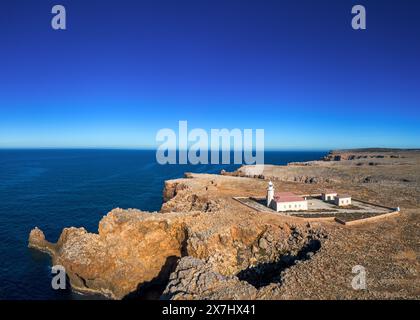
(270, 193)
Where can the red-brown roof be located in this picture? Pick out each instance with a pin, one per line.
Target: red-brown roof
(287, 197)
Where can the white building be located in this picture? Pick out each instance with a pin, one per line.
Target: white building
(285, 201)
(342, 200)
(329, 195)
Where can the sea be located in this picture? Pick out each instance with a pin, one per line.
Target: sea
(53, 189)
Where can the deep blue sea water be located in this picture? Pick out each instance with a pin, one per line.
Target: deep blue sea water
(53, 189)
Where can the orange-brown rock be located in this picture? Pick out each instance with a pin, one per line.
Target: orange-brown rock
(206, 245)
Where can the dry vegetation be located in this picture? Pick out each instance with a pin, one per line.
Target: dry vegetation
(205, 244)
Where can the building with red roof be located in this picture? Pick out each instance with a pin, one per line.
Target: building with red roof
(285, 201)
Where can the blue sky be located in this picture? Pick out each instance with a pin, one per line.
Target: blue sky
(125, 69)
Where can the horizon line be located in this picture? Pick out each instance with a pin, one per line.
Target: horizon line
(145, 148)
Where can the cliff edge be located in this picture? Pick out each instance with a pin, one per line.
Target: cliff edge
(205, 245)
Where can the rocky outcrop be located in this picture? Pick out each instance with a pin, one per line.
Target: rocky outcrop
(132, 249)
(206, 245)
(134, 253)
(172, 189)
(37, 241)
(290, 173)
(178, 197)
(260, 269)
(341, 155)
(195, 279)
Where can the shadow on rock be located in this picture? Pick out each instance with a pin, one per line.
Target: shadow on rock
(153, 289)
(265, 273)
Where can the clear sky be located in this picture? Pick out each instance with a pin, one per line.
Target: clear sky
(125, 69)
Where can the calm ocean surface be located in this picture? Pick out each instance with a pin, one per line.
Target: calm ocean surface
(53, 189)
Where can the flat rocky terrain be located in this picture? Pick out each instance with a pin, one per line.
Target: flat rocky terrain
(203, 244)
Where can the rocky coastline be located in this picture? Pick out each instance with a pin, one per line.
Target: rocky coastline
(205, 245)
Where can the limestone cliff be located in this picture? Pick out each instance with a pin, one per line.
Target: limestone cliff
(206, 245)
